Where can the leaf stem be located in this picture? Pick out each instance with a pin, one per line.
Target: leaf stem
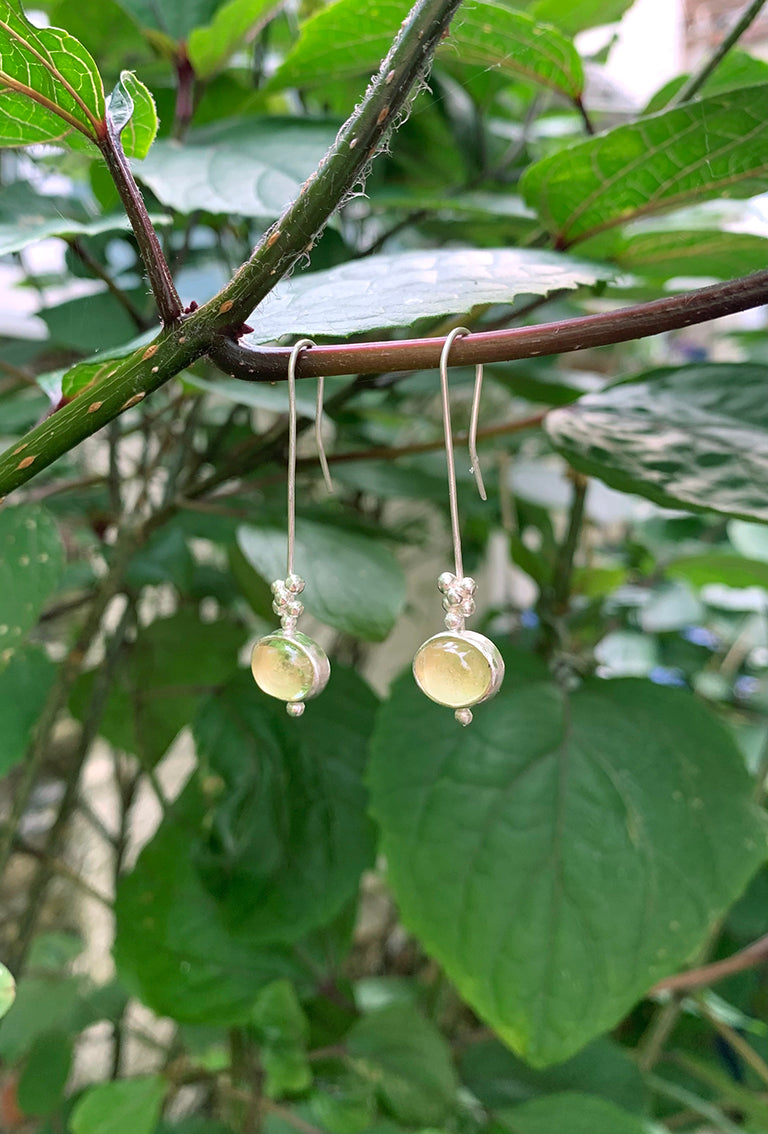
(160, 278)
(563, 573)
(697, 80)
(736, 1041)
(140, 322)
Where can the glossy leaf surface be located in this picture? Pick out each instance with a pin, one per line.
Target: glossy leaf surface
(583, 867)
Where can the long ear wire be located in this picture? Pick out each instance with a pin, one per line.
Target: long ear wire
(297, 349)
(448, 434)
(319, 434)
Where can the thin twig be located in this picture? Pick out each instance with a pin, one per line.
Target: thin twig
(736, 1041)
(748, 958)
(140, 321)
(697, 80)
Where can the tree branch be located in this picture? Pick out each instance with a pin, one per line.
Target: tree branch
(697, 80)
(290, 237)
(748, 958)
(270, 364)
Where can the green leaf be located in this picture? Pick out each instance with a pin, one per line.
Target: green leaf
(592, 840)
(731, 570)
(282, 1033)
(396, 289)
(721, 254)
(197, 944)
(498, 1078)
(700, 151)
(251, 167)
(24, 686)
(513, 44)
(49, 84)
(31, 564)
(175, 19)
(750, 540)
(344, 39)
(576, 1113)
(349, 38)
(737, 69)
(41, 1005)
(573, 16)
(407, 1060)
(127, 1106)
(353, 583)
(694, 437)
(26, 217)
(132, 109)
(7, 990)
(159, 689)
(234, 26)
(44, 1078)
(282, 783)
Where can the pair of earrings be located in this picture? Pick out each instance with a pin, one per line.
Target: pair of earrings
(456, 667)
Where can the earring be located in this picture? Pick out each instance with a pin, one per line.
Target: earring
(458, 667)
(287, 664)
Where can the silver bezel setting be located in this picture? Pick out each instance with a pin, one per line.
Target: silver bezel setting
(316, 655)
(487, 649)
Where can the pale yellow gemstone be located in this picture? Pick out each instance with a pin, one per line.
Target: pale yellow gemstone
(453, 671)
(282, 668)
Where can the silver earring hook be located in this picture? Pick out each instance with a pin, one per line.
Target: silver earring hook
(448, 435)
(298, 347)
(473, 420)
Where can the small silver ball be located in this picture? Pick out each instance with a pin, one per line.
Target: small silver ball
(463, 716)
(468, 585)
(296, 708)
(444, 581)
(454, 620)
(293, 608)
(294, 584)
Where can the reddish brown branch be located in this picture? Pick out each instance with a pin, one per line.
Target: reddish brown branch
(269, 364)
(748, 958)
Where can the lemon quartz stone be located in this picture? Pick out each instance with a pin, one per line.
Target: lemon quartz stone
(288, 667)
(458, 669)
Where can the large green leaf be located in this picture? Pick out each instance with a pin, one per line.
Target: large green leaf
(395, 289)
(234, 25)
(564, 852)
(512, 43)
(171, 666)
(353, 583)
(575, 15)
(707, 149)
(694, 437)
(126, 1106)
(204, 919)
(694, 252)
(409, 1062)
(49, 84)
(175, 19)
(24, 686)
(576, 1113)
(31, 563)
(250, 167)
(349, 38)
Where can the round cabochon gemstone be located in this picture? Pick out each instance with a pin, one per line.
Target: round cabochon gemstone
(458, 669)
(289, 667)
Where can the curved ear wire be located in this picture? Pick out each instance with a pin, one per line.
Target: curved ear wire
(297, 349)
(319, 434)
(447, 433)
(473, 457)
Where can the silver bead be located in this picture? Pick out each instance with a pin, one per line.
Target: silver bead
(463, 716)
(296, 708)
(445, 580)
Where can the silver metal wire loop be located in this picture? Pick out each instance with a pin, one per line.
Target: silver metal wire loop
(298, 347)
(448, 434)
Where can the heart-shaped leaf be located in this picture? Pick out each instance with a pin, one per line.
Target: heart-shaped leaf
(565, 851)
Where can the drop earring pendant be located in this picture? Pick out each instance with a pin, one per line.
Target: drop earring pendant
(287, 664)
(458, 668)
